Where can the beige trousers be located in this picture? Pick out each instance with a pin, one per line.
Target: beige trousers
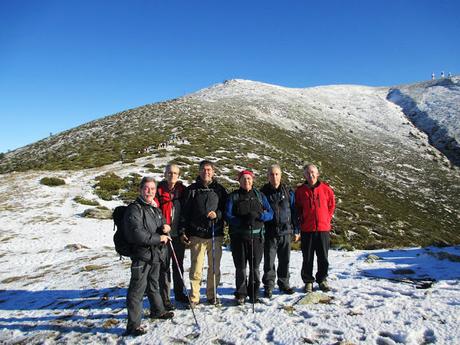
(198, 248)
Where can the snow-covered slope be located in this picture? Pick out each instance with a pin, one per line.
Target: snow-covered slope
(434, 108)
(62, 283)
(393, 187)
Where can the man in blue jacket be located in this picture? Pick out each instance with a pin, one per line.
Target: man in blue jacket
(246, 211)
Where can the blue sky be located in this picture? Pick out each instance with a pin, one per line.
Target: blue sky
(64, 63)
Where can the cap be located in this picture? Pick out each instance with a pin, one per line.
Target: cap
(245, 172)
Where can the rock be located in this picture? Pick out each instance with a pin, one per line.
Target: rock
(446, 256)
(98, 213)
(315, 298)
(89, 268)
(403, 271)
(76, 246)
(371, 258)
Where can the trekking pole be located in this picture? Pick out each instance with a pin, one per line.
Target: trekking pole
(183, 281)
(213, 262)
(252, 269)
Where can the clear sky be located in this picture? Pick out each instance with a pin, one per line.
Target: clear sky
(66, 62)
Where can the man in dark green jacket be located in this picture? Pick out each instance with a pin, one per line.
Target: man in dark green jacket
(246, 211)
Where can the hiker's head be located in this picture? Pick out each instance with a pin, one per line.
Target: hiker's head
(274, 175)
(246, 179)
(148, 189)
(311, 173)
(172, 173)
(206, 171)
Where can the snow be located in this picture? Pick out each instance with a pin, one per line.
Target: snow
(433, 107)
(61, 282)
(353, 108)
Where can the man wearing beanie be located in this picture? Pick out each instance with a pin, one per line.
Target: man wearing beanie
(246, 211)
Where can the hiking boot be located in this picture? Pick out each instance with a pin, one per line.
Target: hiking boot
(254, 300)
(240, 300)
(214, 301)
(164, 315)
(268, 293)
(192, 305)
(169, 306)
(324, 286)
(135, 332)
(308, 287)
(287, 291)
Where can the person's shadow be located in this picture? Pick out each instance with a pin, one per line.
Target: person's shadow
(34, 304)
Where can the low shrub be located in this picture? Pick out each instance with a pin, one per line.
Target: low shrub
(52, 181)
(83, 201)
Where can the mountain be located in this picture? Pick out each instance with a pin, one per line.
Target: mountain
(433, 106)
(393, 187)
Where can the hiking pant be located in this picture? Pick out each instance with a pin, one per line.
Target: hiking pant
(165, 272)
(165, 277)
(144, 279)
(179, 248)
(277, 246)
(314, 242)
(242, 256)
(198, 248)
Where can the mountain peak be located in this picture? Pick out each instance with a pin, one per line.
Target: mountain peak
(392, 185)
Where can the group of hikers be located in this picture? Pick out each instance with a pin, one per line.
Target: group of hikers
(168, 218)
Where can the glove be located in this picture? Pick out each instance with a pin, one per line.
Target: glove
(252, 217)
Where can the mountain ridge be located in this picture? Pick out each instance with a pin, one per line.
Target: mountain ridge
(392, 185)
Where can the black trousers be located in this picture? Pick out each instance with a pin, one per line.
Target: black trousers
(165, 273)
(315, 242)
(277, 246)
(144, 279)
(245, 253)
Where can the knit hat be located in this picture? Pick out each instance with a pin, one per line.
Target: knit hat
(245, 172)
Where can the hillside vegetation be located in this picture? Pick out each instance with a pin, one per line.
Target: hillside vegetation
(393, 188)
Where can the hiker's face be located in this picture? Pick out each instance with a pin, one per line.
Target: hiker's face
(246, 182)
(274, 177)
(207, 173)
(148, 192)
(311, 174)
(172, 175)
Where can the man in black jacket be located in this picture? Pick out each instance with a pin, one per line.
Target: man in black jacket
(146, 230)
(278, 232)
(202, 227)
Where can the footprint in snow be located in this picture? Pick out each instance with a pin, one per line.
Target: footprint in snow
(429, 337)
(390, 338)
(270, 335)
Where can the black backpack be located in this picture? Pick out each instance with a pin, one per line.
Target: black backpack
(122, 246)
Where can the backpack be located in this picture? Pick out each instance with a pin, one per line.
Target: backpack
(122, 247)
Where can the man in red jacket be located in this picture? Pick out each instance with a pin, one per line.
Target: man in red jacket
(170, 194)
(315, 203)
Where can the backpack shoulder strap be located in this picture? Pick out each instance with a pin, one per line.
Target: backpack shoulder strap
(259, 196)
(234, 196)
